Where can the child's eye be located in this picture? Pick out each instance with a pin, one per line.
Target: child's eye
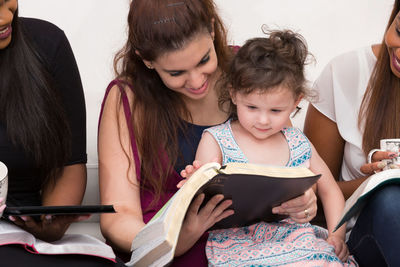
(276, 110)
(251, 107)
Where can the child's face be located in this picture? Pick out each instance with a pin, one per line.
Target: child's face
(263, 114)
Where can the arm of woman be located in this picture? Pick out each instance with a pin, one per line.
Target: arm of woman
(325, 136)
(68, 189)
(117, 176)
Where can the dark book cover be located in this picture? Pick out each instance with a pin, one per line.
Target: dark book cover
(57, 210)
(254, 196)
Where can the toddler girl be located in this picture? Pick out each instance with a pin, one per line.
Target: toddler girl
(262, 89)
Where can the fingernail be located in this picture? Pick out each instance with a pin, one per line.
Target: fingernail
(48, 217)
(11, 218)
(24, 218)
(382, 164)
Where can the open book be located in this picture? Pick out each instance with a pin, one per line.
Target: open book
(68, 244)
(359, 198)
(254, 190)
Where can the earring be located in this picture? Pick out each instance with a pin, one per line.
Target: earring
(150, 67)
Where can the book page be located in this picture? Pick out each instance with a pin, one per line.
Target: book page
(357, 200)
(266, 170)
(157, 240)
(68, 244)
(185, 196)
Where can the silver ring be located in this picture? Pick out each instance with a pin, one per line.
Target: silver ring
(306, 213)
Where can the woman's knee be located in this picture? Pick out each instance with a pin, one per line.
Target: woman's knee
(385, 202)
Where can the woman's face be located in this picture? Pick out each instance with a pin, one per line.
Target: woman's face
(7, 10)
(188, 70)
(392, 40)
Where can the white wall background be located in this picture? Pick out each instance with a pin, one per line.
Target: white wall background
(96, 29)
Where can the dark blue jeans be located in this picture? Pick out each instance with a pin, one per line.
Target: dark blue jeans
(375, 238)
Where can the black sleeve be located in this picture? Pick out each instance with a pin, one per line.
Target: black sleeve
(67, 79)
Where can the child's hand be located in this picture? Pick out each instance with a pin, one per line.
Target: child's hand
(341, 249)
(188, 171)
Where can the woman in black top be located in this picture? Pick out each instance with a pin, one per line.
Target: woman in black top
(42, 130)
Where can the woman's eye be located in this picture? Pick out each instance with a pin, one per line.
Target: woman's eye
(204, 60)
(398, 31)
(176, 73)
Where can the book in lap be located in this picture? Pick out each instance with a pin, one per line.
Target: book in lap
(356, 202)
(254, 190)
(68, 244)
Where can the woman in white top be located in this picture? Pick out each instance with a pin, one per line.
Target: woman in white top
(359, 96)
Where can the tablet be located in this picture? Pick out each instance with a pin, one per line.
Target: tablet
(57, 210)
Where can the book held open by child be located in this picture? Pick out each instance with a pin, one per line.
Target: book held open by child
(254, 190)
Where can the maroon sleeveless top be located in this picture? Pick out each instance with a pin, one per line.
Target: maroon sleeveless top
(196, 255)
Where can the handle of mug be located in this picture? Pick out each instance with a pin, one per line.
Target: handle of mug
(370, 154)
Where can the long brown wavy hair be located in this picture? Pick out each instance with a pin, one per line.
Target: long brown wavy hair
(157, 27)
(379, 114)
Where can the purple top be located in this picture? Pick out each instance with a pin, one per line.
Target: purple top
(196, 255)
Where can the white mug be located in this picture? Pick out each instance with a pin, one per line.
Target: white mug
(392, 145)
(3, 181)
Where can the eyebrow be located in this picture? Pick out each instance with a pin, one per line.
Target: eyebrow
(205, 55)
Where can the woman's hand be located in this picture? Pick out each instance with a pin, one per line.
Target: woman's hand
(197, 220)
(377, 163)
(50, 227)
(300, 209)
(341, 249)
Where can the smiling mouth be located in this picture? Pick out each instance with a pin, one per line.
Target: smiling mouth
(395, 62)
(200, 89)
(5, 32)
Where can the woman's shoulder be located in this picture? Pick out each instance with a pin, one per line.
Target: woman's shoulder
(121, 86)
(119, 89)
(48, 39)
(39, 29)
(353, 58)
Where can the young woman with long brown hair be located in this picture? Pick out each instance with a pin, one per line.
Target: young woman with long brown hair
(153, 116)
(359, 106)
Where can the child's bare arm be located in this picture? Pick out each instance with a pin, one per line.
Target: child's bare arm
(207, 151)
(333, 204)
